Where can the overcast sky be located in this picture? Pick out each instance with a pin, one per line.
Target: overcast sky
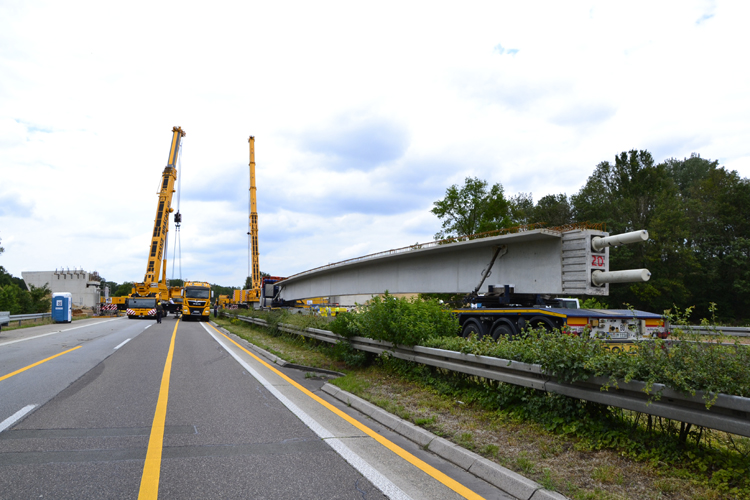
(364, 113)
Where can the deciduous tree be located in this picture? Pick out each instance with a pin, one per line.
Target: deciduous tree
(472, 209)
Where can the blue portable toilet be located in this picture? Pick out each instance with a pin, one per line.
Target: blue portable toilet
(62, 307)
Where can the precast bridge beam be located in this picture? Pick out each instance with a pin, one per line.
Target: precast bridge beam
(540, 261)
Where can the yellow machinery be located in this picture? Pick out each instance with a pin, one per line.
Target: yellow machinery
(224, 301)
(112, 305)
(176, 297)
(253, 294)
(151, 286)
(197, 301)
(250, 296)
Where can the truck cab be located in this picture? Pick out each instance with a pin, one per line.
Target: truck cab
(141, 307)
(197, 301)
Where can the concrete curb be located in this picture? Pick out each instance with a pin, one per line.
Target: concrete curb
(262, 352)
(273, 358)
(505, 479)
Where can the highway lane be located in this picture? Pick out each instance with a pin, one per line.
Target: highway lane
(95, 339)
(226, 432)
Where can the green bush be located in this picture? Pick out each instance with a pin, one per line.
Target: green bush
(347, 325)
(695, 363)
(400, 321)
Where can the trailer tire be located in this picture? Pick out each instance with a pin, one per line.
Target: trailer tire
(473, 326)
(541, 321)
(502, 327)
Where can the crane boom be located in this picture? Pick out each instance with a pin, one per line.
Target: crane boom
(156, 260)
(254, 220)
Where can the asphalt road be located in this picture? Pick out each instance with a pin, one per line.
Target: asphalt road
(133, 409)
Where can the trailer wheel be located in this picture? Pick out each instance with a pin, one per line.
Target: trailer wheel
(541, 322)
(502, 328)
(473, 326)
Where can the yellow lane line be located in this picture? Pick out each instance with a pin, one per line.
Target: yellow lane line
(426, 468)
(37, 364)
(152, 468)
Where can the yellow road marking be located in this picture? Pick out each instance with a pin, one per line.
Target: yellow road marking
(152, 467)
(426, 468)
(37, 364)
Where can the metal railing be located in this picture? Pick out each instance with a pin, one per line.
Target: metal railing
(24, 317)
(728, 413)
(730, 331)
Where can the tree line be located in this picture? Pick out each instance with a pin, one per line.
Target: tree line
(124, 289)
(697, 214)
(15, 298)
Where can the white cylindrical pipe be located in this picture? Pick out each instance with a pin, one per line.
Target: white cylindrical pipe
(598, 243)
(599, 278)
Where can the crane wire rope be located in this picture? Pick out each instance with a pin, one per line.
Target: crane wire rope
(177, 240)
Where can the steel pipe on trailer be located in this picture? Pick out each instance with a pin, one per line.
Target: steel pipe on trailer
(599, 278)
(599, 243)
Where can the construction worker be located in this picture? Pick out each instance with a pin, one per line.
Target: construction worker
(159, 312)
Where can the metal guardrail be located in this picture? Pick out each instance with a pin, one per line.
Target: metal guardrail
(729, 413)
(24, 317)
(731, 331)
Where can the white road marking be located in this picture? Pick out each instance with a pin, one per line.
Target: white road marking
(147, 327)
(376, 478)
(122, 344)
(15, 417)
(58, 331)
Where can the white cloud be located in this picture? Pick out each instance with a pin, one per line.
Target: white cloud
(363, 116)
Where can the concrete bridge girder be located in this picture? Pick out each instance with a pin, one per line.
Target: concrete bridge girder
(537, 261)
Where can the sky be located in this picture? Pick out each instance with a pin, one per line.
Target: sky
(363, 114)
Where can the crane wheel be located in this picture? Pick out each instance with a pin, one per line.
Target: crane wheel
(502, 328)
(473, 327)
(542, 322)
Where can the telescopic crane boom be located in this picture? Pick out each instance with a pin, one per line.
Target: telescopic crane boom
(157, 262)
(254, 216)
(254, 294)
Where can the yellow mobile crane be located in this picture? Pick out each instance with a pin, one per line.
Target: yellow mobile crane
(143, 300)
(252, 295)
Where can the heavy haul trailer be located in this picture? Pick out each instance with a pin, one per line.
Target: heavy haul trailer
(496, 320)
(197, 301)
(502, 312)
